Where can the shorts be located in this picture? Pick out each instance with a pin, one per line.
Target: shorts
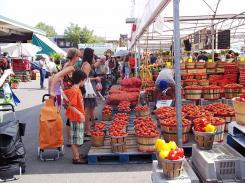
(90, 102)
(77, 133)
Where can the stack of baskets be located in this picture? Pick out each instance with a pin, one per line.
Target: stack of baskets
(200, 65)
(232, 90)
(190, 82)
(190, 65)
(146, 144)
(193, 92)
(211, 92)
(118, 144)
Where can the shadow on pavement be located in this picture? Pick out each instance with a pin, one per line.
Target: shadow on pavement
(64, 165)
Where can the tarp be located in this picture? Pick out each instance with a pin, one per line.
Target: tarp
(48, 47)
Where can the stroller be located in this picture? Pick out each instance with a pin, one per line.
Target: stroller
(12, 150)
(50, 130)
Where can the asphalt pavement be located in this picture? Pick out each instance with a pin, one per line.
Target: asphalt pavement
(62, 170)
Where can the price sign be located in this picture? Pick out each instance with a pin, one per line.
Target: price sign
(164, 103)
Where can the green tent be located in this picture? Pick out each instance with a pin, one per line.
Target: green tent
(48, 47)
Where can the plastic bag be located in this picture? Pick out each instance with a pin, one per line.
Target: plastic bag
(99, 86)
(89, 89)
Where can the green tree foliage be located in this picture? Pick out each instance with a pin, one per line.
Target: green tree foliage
(73, 34)
(76, 35)
(50, 31)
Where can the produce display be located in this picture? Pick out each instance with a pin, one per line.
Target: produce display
(121, 116)
(193, 92)
(116, 98)
(107, 113)
(189, 82)
(124, 107)
(232, 90)
(141, 111)
(203, 125)
(203, 82)
(211, 92)
(131, 83)
(219, 109)
(100, 126)
(97, 138)
(97, 133)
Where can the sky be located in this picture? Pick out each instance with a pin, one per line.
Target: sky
(105, 17)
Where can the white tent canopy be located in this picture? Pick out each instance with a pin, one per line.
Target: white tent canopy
(195, 15)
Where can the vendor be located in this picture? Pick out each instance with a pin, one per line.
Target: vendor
(165, 83)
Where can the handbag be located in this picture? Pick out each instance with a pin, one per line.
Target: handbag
(89, 89)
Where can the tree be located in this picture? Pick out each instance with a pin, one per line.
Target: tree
(98, 39)
(86, 35)
(50, 31)
(73, 34)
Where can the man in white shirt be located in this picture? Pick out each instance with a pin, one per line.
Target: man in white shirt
(165, 81)
(42, 64)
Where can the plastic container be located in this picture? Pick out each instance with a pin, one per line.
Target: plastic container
(221, 164)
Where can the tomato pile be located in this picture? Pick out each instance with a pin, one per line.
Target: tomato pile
(212, 120)
(141, 108)
(107, 110)
(204, 125)
(193, 87)
(219, 109)
(145, 127)
(211, 87)
(97, 133)
(100, 126)
(118, 133)
(171, 122)
(233, 86)
(192, 111)
(121, 116)
(124, 107)
(116, 98)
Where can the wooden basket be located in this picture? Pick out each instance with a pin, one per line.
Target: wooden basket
(203, 82)
(220, 64)
(190, 65)
(107, 117)
(97, 141)
(219, 135)
(239, 111)
(170, 133)
(193, 94)
(118, 144)
(172, 168)
(204, 140)
(211, 65)
(200, 65)
(211, 94)
(190, 82)
(228, 119)
(146, 144)
(142, 113)
(232, 92)
(201, 76)
(182, 65)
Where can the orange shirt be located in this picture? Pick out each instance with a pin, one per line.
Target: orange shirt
(75, 100)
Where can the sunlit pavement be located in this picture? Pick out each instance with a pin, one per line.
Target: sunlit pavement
(62, 170)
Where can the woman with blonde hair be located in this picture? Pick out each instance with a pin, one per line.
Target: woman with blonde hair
(73, 55)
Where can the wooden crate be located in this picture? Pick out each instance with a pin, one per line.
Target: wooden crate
(196, 71)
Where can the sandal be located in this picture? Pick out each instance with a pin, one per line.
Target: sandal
(79, 161)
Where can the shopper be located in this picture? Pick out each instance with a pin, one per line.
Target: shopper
(126, 69)
(102, 71)
(58, 86)
(42, 65)
(90, 102)
(75, 113)
(132, 63)
(73, 55)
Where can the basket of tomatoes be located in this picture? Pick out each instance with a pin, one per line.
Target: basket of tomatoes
(146, 133)
(203, 82)
(193, 92)
(222, 111)
(124, 107)
(204, 133)
(211, 92)
(200, 65)
(190, 65)
(107, 113)
(142, 111)
(169, 128)
(190, 82)
(201, 76)
(97, 138)
(118, 140)
(232, 90)
(187, 76)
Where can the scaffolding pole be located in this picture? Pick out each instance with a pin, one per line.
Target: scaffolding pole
(178, 103)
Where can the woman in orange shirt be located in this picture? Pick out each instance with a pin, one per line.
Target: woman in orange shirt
(75, 113)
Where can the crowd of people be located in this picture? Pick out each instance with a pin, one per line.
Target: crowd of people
(76, 86)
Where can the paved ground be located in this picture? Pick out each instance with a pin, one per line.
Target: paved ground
(63, 171)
